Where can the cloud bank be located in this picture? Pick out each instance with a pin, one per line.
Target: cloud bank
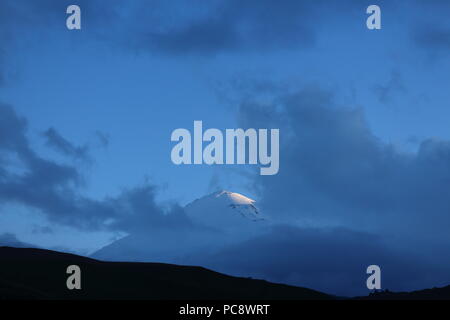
(55, 189)
(333, 168)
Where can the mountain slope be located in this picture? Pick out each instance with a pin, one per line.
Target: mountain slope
(219, 219)
(41, 274)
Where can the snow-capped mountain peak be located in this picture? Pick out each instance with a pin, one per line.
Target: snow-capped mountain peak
(224, 208)
(226, 217)
(235, 198)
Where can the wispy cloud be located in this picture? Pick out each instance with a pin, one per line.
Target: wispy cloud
(57, 142)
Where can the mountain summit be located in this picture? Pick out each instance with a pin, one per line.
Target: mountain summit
(224, 209)
(218, 219)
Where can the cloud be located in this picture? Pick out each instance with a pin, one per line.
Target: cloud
(199, 28)
(102, 139)
(333, 169)
(332, 260)
(178, 27)
(433, 38)
(42, 230)
(55, 141)
(10, 240)
(135, 210)
(234, 25)
(394, 85)
(183, 27)
(55, 189)
(431, 32)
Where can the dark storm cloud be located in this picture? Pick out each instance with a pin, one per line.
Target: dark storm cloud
(54, 189)
(333, 167)
(57, 142)
(331, 260)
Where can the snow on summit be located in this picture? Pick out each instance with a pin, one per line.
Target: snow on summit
(235, 198)
(225, 209)
(225, 217)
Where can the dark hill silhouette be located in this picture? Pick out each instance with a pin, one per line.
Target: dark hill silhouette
(427, 294)
(41, 274)
(28, 273)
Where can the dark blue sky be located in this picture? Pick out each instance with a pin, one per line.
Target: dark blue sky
(86, 115)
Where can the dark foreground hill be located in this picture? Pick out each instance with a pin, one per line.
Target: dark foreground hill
(41, 274)
(427, 294)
